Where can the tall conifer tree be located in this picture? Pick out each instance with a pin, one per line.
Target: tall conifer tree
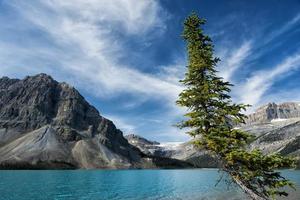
(211, 114)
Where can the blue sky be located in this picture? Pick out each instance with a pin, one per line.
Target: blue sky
(126, 56)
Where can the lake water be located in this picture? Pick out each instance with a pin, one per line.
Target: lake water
(121, 184)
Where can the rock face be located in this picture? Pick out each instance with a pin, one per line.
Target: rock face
(180, 151)
(277, 128)
(273, 111)
(43, 121)
(280, 139)
(47, 124)
(193, 155)
(146, 146)
(284, 140)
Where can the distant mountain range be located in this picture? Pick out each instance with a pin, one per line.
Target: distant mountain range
(274, 112)
(45, 124)
(276, 127)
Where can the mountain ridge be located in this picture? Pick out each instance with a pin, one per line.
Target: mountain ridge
(272, 136)
(47, 124)
(273, 111)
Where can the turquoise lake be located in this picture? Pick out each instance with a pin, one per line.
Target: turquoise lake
(121, 184)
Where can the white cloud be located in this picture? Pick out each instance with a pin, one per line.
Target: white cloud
(85, 41)
(86, 35)
(234, 61)
(255, 87)
(122, 124)
(253, 90)
(281, 96)
(288, 26)
(173, 73)
(135, 17)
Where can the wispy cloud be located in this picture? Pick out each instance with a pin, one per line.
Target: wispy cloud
(122, 124)
(85, 42)
(288, 26)
(234, 60)
(86, 39)
(281, 96)
(84, 45)
(256, 86)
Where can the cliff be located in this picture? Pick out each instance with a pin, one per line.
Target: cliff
(47, 124)
(273, 111)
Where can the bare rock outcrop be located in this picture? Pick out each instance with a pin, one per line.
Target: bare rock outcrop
(273, 111)
(276, 127)
(47, 124)
(186, 151)
(284, 140)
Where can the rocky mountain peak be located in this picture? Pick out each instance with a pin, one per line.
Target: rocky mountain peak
(30, 104)
(47, 124)
(41, 76)
(273, 111)
(132, 138)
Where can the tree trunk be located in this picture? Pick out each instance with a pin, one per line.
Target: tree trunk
(248, 191)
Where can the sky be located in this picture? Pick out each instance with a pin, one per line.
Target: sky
(127, 56)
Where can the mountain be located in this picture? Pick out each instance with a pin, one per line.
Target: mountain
(186, 151)
(47, 124)
(284, 140)
(146, 146)
(273, 111)
(276, 127)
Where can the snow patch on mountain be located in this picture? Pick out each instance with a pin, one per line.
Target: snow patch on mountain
(170, 145)
(278, 120)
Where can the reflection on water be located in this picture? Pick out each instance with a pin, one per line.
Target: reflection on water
(121, 184)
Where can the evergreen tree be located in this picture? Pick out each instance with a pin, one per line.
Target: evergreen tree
(211, 113)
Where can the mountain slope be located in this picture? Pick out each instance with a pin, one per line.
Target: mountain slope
(274, 135)
(284, 140)
(276, 112)
(49, 124)
(179, 151)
